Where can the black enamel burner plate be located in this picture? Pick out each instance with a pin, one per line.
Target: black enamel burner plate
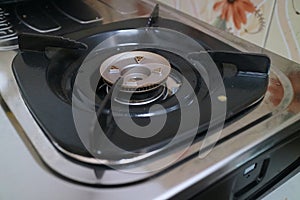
(46, 83)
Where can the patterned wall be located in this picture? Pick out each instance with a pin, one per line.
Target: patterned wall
(273, 24)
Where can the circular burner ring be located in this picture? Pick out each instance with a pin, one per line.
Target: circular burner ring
(139, 99)
(142, 71)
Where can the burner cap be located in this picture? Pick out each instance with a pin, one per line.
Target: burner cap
(141, 70)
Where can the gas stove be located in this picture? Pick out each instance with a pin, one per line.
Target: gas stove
(151, 98)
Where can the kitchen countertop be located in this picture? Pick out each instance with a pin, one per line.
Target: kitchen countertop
(24, 176)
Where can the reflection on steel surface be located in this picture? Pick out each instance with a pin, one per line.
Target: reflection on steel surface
(221, 160)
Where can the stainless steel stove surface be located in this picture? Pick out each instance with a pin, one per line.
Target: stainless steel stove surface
(255, 151)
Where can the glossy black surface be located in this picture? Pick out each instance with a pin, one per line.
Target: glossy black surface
(52, 17)
(45, 81)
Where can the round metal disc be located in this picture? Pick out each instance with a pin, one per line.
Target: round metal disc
(141, 70)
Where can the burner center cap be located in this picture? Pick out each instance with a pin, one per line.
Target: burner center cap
(141, 70)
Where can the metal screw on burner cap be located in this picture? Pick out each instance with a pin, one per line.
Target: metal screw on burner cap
(158, 71)
(114, 70)
(139, 59)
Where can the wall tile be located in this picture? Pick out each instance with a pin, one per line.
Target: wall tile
(284, 37)
(258, 21)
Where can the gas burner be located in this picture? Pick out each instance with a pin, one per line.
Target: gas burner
(141, 71)
(147, 76)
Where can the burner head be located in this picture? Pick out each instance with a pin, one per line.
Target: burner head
(141, 70)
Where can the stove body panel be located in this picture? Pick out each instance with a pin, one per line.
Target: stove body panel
(261, 130)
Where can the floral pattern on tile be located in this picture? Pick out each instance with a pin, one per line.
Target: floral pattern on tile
(284, 37)
(248, 19)
(235, 11)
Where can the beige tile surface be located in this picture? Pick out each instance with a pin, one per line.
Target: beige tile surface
(274, 24)
(284, 37)
(254, 30)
